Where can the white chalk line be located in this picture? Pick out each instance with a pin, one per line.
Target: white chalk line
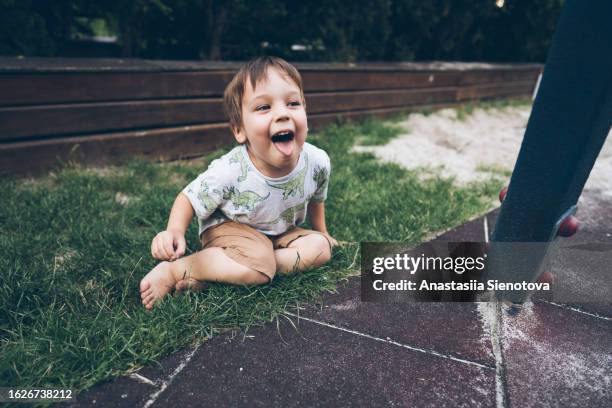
(395, 343)
(496, 345)
(574, 309)
(167, 383)
(495, 336)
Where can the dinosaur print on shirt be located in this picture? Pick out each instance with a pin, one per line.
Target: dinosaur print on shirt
(293, 186)
(243, 199)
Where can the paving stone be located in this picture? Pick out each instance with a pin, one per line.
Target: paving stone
(122, 392)
(556, 357)
(315, 365)
(471, 231)
(454, 328)
(129, 392)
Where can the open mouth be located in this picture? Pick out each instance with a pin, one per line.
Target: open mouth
(283, 141)
(284, 136)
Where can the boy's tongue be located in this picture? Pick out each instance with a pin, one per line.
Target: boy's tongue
(286, 147)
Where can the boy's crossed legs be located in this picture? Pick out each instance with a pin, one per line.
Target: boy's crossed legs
(236, 253)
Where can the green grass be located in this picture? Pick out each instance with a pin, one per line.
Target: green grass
(375, 132)
(494, 170)
(76, 244)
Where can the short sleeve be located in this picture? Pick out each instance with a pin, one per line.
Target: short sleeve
(206, 192)
(321, 173)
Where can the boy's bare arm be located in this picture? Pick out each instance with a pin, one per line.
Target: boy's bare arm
(181, 214)
(316, 213)
(170, 244)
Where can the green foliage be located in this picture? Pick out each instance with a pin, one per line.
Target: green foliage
(343, 30)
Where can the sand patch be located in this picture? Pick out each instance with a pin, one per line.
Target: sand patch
(481, 146)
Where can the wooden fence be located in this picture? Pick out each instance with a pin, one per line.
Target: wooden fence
(104, 111)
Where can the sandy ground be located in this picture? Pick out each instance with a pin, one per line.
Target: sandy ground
(474, 148)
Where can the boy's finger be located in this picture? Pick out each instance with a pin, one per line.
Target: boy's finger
(168, 248)
(158, 250)
(161, 250)
(180, 247)
(155, 249)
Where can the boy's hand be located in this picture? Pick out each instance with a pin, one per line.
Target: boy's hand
(168, 245)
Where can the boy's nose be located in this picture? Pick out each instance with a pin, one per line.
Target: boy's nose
(281, 113)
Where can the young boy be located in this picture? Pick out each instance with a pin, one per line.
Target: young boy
(250, 201)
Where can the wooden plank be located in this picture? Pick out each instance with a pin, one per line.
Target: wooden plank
(46, 65)
(27, 122)
(75, 119)
(345, 101)
(494, 90)
(99, 87)
(335, 81)
(317, 81)
(35, 64)
(498, 76)
(55, 88)
(35, 157)
(317, 122)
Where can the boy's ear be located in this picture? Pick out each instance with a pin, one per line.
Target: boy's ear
(239, 134)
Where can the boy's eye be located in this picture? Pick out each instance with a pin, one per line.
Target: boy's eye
(294, 103)
(262, 107)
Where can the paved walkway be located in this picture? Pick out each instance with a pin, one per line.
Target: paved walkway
(413, 354)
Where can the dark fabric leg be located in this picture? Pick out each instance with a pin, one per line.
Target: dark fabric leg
(570, 120)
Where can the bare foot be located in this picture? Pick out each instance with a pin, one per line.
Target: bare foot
(157, 284)
(192, 284)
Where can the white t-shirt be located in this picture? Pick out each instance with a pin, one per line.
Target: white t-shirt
(232, 188)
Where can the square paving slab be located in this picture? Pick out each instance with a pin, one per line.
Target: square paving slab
(134, 390)
(556, 357)
(302, 363)
(456, 329)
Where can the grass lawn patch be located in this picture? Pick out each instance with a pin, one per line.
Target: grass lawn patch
(77, 242)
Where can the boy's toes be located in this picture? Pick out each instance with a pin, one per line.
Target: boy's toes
(146, 293)
(149, 299)
(191, 284)
(149, 302)
(144, 285)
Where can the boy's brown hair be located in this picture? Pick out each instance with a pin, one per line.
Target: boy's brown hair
(255, 70)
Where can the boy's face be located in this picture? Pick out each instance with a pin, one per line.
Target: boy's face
(274, 124)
